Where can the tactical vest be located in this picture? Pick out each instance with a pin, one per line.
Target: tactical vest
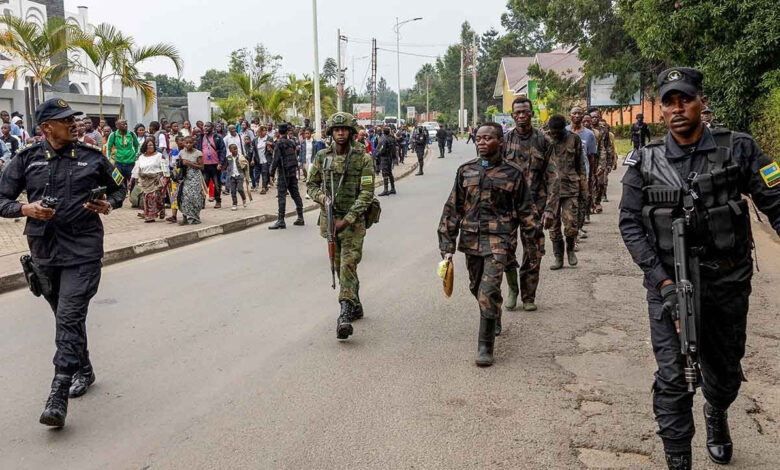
(718, 216)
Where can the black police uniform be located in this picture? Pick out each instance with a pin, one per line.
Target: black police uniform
(450, 137)
(719, 168)
(286, 161)
(441, 139)
(420, 142)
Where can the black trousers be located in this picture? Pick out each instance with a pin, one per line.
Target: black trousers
(442, 145)
(449, 146)
(72, 289)
(724, 308)
(210, 173)
(288, 183)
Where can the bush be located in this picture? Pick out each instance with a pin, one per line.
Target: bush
(766, 129)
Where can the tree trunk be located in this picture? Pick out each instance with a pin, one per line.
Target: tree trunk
(121, 102)
(100, 99)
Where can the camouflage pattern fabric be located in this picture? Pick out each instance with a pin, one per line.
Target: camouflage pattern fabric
(485, 276)
(604, 164)
(570, 161)
(567, 217)
(349, 252)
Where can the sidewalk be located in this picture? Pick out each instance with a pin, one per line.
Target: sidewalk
(128, 237)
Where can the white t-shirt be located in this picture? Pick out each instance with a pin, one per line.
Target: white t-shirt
(261, 149)
(237, 139)
(150, 164)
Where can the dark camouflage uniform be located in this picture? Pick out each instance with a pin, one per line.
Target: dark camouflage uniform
(572, 182)
(350, 203)
(486, 206)
(532, 152)
(604, 164)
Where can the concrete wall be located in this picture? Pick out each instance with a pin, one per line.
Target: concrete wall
(199, 104)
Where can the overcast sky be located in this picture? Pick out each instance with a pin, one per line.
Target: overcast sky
(206, 31)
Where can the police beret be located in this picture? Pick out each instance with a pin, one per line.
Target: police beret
(55, 108)
(683, 79)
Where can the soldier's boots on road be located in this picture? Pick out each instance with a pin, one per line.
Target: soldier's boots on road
(529, 306)
(558, 254)
(678, 461)
(344, 322)
(570, 246)
(82, 380)
(419, 169)
(392, 185)
(357, 312)
(487, 331)
(514, 289)
(278, 225)
(299, 221)
(385, 192)
(719, 444)
(57, 403)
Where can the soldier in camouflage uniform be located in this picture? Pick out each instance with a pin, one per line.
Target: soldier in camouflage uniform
(353, 178)
(489, 201)
(572, 182)
(531, 149)
(606, 159)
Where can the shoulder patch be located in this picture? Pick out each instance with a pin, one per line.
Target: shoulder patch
(771, 175)
(27, 148)
(117, 177)
(632, 158)
(367, 180)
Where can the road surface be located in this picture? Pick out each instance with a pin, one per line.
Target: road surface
(223, 355)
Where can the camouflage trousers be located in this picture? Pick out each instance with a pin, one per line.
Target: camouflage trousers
(485, 276)
(349, 252)
(529, 269)
(566, 216)
(600, 185)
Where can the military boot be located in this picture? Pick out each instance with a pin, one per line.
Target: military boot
(419, 169)
(719, 445)
(678, 461)
(343, 324)
(572, 257)
(82, 380)
(392, 185)
(487, 333)
(357, 312)
(497, 330)
(385, 192)
(57, 403)
(278, 225)
(558, 253)
(514, 289)
(299, 221)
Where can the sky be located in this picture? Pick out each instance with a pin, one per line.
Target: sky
(206, 31)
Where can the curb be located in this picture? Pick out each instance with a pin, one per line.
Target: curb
(14, 281)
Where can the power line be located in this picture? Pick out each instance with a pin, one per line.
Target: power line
(409, 53)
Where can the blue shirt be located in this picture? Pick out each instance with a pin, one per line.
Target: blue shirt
(15, 130)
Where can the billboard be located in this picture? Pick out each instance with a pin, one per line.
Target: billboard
(362, 110)
(600, 91)
(411, 113)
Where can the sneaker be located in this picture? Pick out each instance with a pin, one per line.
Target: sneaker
(244, 204)
(308, 197)
(235, 207)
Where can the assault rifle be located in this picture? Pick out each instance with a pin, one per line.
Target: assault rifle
(686, 304)
(331, 231)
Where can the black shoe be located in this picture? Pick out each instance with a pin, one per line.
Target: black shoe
(719, 444)
(299, 222)
(487, 331)
(343, 325)
(57, 403)
(357, 312)
(678, 461)
(82, 380)
(384, 193)
(278, 225)
(392, 191)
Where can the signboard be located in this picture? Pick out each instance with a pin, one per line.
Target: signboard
(600, 92)
(362, 110)
(505, 120)
(411, 113)
(533, 90)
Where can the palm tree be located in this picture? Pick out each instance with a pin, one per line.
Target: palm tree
(250, 90)
(39, 50)
(271, 103)
(105, 50)
(231, 108)
(131, 77)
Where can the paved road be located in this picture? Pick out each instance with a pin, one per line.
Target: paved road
(223, 355)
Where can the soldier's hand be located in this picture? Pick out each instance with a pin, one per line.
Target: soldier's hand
(547, 220)
(340, 225)
(36, 211)
(669, 305)
(100, 206)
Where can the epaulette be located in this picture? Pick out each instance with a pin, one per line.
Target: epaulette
(655, 142)
(27, 148)
(633, 158)
(89, 146)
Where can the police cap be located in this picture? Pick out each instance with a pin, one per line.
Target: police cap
(55, 108)
(683, 79)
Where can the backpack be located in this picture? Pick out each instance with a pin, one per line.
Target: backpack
(420, 139)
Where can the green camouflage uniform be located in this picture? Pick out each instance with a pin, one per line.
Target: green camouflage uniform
(487, 205)
(572, 182)
(605, 162)
(532, 153)
(350, 203)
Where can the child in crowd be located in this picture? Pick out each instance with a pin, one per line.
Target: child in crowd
(236, 172)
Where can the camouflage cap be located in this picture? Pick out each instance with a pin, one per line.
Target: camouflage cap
(342, 119)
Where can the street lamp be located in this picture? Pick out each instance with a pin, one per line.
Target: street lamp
(317, 110)
(397, 30)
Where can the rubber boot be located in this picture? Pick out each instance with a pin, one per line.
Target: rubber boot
(57, 404)
(392, 185)
(514, 289)
(497, 330)
(558, 253)
(572, 257)
(719, 444)
(82, 380)
(299, 221)
(678, 461)
(385, 192)
(529, 306)
(278, 225)
(343, 324)
(487, 332)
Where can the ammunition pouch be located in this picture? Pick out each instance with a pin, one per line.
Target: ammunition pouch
(39, 283)
(373, 213)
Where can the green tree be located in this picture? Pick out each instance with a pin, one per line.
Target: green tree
(330, 70)
(219, 83)
(170, 86)
(559, 94)
(231, 108)
(131, 77)
(256, 62)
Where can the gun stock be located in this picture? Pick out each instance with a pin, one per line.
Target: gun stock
(686, 306)
(331, 234)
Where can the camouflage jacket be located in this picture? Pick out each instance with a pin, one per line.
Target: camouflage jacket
(570, 160)
(486, 205)
(356, 192)
(606, 149)
(532, 153)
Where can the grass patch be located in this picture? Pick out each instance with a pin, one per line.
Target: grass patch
(623, 146)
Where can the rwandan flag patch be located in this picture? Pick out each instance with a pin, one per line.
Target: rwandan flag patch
(367, 180)
(771, 175)
(117, 177)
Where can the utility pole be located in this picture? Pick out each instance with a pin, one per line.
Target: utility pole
(474, 68)
(461, 117)
(317, 110)
(398, 60)
(339, 83)
(373, 81)
(427, 98)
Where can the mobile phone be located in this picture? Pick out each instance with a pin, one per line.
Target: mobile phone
(97, 194)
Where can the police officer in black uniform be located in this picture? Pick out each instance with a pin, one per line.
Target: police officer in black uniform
(286, 161)
(707, 170)
(65, 236)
